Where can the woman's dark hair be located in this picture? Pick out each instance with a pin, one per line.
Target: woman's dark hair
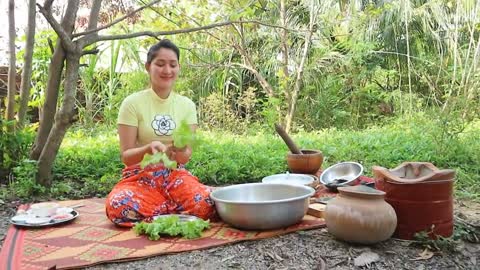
(164, 43)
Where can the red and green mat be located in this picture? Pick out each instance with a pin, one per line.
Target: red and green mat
(92, 239)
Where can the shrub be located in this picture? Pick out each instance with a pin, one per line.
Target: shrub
(90, 162)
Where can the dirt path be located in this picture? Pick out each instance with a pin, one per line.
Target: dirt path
(305, 250)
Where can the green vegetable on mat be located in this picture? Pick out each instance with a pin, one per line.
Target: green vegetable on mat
(172, 226)
(183, 135)
(157, 158)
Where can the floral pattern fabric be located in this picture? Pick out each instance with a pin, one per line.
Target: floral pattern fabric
(142, 194)
(163, 125)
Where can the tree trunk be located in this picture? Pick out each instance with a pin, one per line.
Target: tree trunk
(27, 65)
(63, 120)
(343, 5)
(65, 116)
(299, 76)
(2, 175)
(284, 49)
(53, 84)
(12, 70)
(47, 116)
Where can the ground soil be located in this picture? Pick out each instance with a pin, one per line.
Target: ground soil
(305, 250)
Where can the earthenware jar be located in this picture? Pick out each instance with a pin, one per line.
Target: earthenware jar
(422, 196)
(359, 214)
(309, 162)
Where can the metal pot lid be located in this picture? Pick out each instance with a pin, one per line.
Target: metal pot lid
(289, 178)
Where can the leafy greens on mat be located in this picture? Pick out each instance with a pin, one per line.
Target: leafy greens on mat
(172, 226)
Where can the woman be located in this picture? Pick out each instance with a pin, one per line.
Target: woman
(146, 122)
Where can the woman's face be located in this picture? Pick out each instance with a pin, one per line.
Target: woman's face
(163, 69)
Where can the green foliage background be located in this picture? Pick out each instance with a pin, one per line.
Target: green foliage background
(384, 82)
(89, 162)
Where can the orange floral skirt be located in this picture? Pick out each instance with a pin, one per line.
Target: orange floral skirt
(144, 193)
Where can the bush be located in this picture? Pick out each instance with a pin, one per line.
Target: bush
(14, 147)
(90, 162)
(92, 159)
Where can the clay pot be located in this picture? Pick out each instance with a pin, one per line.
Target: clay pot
(309, 162)
(422, 196)
(359, 214)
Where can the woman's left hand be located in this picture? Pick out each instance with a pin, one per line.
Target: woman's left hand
(180, 155)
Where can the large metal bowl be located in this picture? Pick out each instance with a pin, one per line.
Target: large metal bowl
(345, 172)
(262, 206)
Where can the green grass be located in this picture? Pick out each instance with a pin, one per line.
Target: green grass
(89, 162)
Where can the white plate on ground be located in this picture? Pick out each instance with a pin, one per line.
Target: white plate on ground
(290, 178)
(21, 218)
(35, 222)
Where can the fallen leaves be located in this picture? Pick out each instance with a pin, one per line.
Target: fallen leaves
(424, 255)
(274, 256)
(227, 258)
(366, 258)
(322, 265)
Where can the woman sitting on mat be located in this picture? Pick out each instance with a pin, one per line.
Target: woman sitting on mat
(146, 122)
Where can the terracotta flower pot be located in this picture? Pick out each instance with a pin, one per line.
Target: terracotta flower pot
(359, 214)
(307, 163)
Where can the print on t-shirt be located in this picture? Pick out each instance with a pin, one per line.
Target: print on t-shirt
(163, 125)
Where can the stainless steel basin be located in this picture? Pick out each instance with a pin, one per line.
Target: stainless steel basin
(346, 172)
(262, 206)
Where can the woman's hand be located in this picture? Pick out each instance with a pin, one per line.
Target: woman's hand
(180, 155)
(156, 146)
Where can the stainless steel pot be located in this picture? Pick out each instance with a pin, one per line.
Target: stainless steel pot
(262, 206)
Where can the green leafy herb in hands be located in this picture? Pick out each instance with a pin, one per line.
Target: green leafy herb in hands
(183, 135)
(157, 158)
(171, 226)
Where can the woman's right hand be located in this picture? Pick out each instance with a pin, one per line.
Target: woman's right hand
(157, 146)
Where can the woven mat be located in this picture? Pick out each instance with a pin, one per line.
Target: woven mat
(92, 239)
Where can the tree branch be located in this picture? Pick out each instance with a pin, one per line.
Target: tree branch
(117, 20)
(179, 31)
(250, 66)
(48, 4)
(92, 25)
(284, 49)
(165, 33)
(299, 76)
(64, 37)
(94, 51)
(93, 17)
(50, 45)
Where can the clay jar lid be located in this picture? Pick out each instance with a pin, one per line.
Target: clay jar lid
(362, 191)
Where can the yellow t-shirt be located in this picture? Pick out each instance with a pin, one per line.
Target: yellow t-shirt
(156, 118)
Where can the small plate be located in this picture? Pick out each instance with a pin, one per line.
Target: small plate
(35, 222)
(290, 178)
(64, 210)
(21, 218)
(61, 217)
(181, 217)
